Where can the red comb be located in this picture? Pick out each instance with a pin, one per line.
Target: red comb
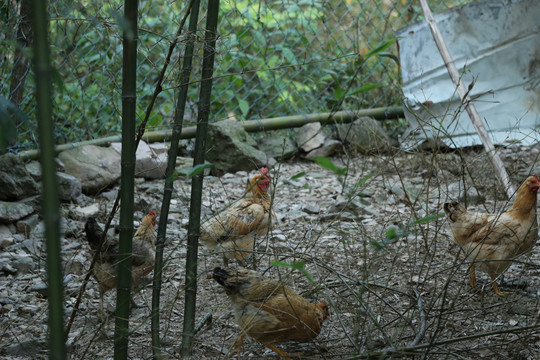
(264, 170)
(152, 213)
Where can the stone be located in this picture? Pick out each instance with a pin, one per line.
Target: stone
(69, 187)
(230, 148)
(278, 146)
(81, 213)
(95, 167)
(151, 160)
(15, 181)
(6, 238)
(365, 135)
(310, 136)
(26, 225)
(456, 191)
(329, 148)
(13, 211)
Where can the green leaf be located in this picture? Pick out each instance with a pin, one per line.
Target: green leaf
(298, 265)
(338, 94)
(365, 88)
(197, 169)
(428, 218)
(329, 165)
(244, 107)
(383, 46)
(297, 176)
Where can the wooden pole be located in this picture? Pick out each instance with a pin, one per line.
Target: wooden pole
(498, 165)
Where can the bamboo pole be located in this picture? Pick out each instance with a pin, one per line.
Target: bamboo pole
(496, 161)
(205, 97)
(127, 179)
(168, 188)
(283, 122)
(50, 199)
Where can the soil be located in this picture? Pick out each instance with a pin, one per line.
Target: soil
(371, 240)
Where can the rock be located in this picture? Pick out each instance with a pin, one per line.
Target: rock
(69, 187)
(75, 264)
(457, 192)
(15, 181)
(366, 135)
(278, 147)
(6, 238)
(310, 136)
(12, 211)
(30, 348)
(311, 209)
(34, 169)
(26, 225)
(23, 263)
(151, 160)
(329, 148)
(230, 148)
(81, 213)
(95, 167)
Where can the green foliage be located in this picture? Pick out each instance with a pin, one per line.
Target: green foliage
(8, 111)
(393, 233)
(298, 265)
(328, 164)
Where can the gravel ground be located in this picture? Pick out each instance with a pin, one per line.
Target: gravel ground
(371, 240)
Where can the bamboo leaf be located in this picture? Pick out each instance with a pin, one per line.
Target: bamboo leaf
(329, 165)
(428, 218)
(298, 265)
(365, 88)
(298, 175)
(383, 46)
(196, 170)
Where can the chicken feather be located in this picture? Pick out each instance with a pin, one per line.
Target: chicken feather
(492, 241)
(269, 311)
(234, 229)
(106, 266)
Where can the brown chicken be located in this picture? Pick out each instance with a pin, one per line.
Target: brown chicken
(269, 311)
(143, 251)
(235, 228)
(493, 240)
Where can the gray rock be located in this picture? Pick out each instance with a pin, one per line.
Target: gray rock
(329, 148)
(96, 167)
(15, 181)
(151, 160)
(311, 209)
(34, 169)
(30, 348)
(230, 148)
(6, 238)
(366, 135)
(23, 263)
(278, 147)
(26, 225)
(456, 191)
(76, 264)
(81, 213)
(12, 211)
(310, 136)
(69, 187)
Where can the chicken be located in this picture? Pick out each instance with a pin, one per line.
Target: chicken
(143, 252)
(235, 228)
(493, 240)
(269, 311)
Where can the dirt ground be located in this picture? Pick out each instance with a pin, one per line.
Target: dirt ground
(386, 264)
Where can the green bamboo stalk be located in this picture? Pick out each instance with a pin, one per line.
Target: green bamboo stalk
(193, 7)
(127, 178)
(283, 122)
(50, 198)
(205, 97)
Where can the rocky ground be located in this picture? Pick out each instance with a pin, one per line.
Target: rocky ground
(378, 254)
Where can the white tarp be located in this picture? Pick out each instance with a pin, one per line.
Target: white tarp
(496, 43)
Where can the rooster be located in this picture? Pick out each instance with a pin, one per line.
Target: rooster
(105, 268)
(235, 228)
(493, 240)
(269, 311)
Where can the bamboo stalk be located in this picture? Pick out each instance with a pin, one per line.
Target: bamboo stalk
(283, 122)
(496, 161)
(50, 199)
(205, 98)
(168, 189)
(127, 179)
